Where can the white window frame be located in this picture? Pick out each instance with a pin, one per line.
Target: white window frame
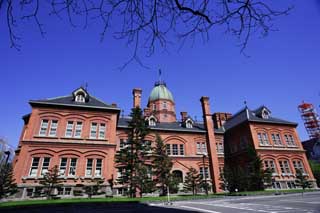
(181, 149)
(44, 127)
(89, 168)
(65, 167)
(102, 131)
(34, 168)
(80, 98)
(69, 129)
(93, 130)
(78, 129)
(45, 168)
(53, 128)
(175, 149)
(98, 168)
(72, 168)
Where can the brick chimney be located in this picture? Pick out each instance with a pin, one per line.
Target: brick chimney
(211, 144)
(219, 118)
(183, 116)
(136, 92)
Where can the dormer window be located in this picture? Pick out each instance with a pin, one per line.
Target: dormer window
(80, 95)
(80, 98)
(152, 122)
(265, 114)
(189, 124)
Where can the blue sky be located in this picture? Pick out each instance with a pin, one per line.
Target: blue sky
(283, 69)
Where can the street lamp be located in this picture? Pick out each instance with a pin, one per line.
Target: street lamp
(8, 155)
(204, 174)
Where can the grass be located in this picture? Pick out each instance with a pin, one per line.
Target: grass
(135, 200)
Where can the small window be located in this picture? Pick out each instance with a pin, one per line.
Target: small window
(174, 149)
(93, 130)
(63, 166)
(204, 172)
(53, 128)
(78, 131)
(98, 171)
(73, 167)
(168, 147)
(199, 147)
(265, 114)
(189, 124)
(45, 166)
(69, 129)
(102, 131)
(80, 98)
(181, 149)
(154, 107)
(152, 122)
(34, 167)
(164, 105)
(43, 128)
(89, 167)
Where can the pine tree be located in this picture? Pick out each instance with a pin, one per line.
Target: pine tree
(143, 179)
(93, 188)
(8, 186)
(162, 166)
(192, 181)
(255, 171)
(302, 180)
(51, 181)
(132, 157)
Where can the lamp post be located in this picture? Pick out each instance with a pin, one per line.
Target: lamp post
(8, 155)
(204, 174)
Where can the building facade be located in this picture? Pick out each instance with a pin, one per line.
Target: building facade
(81, 135)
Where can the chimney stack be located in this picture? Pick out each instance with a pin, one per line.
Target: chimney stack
(136, 92)
(183, 116)
(211, 144)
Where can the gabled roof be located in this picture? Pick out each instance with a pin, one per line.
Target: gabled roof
(172, 126)
(247, 115)
(69, 101)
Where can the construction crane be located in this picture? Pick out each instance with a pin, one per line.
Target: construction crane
(311, 119)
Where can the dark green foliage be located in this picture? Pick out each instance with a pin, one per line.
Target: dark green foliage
(162, 167)
(8, 186)
(143, 180)
(51, 181)
(93, 188)
(192, 181)
(302, 180)
(132, 157)
(315, 167)
(248, 177)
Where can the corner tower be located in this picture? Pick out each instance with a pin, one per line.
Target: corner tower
(161, 103)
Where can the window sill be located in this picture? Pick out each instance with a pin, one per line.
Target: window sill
(292, 146)
(96, 139)
(72, 138)
(263, 145)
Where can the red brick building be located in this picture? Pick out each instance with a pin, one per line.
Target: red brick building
(81, 135)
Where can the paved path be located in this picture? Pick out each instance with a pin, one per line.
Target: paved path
(310, 203)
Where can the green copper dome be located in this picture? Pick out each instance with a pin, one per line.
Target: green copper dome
(160, 91)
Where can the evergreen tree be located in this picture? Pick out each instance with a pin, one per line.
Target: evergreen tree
(267, 178)
(162, 166)
(132, 157)
(93, 188)
(255, 170)
(302, 180)
(7, 182)
(192, 181)
(51, 181)
(143, 179)
(315, 167)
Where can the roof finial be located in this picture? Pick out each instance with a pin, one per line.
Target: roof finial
(160, 72)
(245, 103)
(86, 86)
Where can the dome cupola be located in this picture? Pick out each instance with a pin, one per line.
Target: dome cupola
(160, 91)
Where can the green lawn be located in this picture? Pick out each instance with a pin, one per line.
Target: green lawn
(144, 199)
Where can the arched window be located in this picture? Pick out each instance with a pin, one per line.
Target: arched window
(189, 124)
(265, 114)
(80, 97)
(152, 121)
(178, 175)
